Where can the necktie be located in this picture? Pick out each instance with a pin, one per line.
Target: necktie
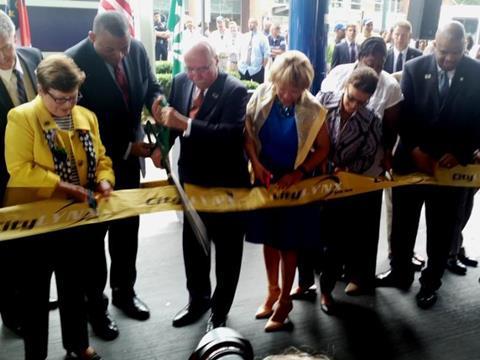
(249, 52)
(353, 52)
(196, 105)
(21, 93)
(399, 66)
(443, 85)
(122, 82)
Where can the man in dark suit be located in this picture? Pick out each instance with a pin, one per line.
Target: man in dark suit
(119, 83)
(400, 52)
(346, 51)
(18, 84)
(439, 128)
(208, 113)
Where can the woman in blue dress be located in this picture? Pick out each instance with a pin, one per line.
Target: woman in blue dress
(286, 140)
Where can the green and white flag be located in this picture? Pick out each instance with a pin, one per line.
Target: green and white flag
(175, 27)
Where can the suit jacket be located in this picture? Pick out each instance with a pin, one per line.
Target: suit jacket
(213, 155)
(341, 54)
(26, 146)
(120, 123)
(438, 128)
(412, 53)
(30, 58)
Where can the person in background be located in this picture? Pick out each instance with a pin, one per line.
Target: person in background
(339, 31)
(220, 41)
(355, 134)
(234, 38)
(400, 52)
(367, 31)
(469, 43)
(254, 54)
(346, 51)
(286, 140)
(117, 67)
(475, 52)
(54, 150)
(161, 36)
(18, 84)
(191, 35)
(276, 41)
(267, 26)
(207, 112)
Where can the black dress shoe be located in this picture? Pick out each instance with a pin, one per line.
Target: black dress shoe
(426, 298)
(215, 322)
(390, 279)
(104, 326)
(132, 306)
(467, 261)
(189, 314)
(456, 267)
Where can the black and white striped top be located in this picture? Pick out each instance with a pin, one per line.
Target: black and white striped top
(354, 142)
(66, 123)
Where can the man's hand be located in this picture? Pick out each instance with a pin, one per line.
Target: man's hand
(448, 161)
(104, 189)
(262, 174)
(141, 149)
(424, 162)
(171, 118)
(157, 107)
(157, 157)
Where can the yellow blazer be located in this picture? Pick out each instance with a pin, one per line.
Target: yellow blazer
(309, 118)
(29, 158)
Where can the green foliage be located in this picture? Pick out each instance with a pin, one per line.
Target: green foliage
(467, 2)
(166, 81)
(250, 85)
(163, 67)
(234, 73)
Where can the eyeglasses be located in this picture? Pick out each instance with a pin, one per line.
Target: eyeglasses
(198, 70)
(352, 99)
(64, 100)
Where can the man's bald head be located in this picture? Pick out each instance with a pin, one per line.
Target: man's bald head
(201, 64)
(449, 45)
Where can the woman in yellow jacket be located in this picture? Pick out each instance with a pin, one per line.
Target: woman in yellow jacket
(53, 149)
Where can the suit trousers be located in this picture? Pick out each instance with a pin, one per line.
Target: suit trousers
(64, 253)
(351, 239)
(226, 231)
(122, 245)
(10, 310)
(441, 208)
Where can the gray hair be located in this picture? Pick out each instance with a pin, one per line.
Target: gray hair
(112, 21)
(7, 28)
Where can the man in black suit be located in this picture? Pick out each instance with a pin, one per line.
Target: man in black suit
(119, 83)
(18, 84)
(400, 52)
(439, 128)
(208, 113)
(346, 51)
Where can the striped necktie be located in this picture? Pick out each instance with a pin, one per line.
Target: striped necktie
(21, 92)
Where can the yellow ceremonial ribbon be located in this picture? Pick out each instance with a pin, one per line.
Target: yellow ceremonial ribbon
(50, 215)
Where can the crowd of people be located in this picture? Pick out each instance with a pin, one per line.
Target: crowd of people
(71, 125)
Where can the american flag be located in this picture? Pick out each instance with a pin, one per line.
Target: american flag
(122, 6)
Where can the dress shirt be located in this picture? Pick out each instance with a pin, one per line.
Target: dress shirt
(10, 81)
(195, 94)
(395, 57)
(259, 53)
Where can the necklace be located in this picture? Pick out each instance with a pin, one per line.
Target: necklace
(286, 111)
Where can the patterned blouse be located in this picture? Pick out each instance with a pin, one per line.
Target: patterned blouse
(354, 142)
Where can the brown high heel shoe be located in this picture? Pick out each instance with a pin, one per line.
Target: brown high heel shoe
(266, 309)
(279, 320)
(87, 354)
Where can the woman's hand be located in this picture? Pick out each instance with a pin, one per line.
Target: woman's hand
(104, 189)
(157, 157)
(290, 179)
(77, 192)
(262, 174)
